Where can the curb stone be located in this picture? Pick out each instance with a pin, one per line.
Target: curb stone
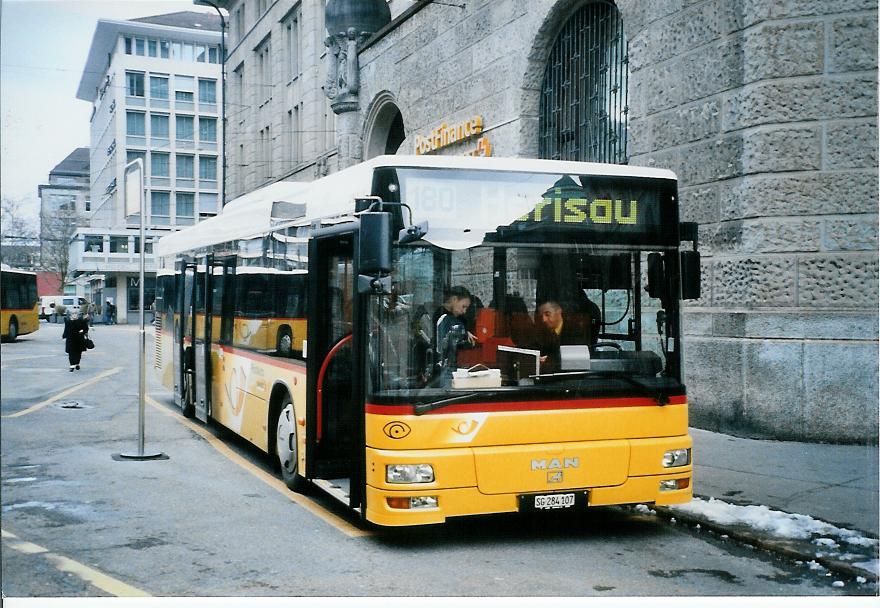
(793, 549)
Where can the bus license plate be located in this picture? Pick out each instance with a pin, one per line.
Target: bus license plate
(551, 502)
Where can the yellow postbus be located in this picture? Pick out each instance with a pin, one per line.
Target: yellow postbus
(19, 304)
(314, 320)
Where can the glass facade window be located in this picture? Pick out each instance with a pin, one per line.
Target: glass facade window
(208, 167)
(293, 42)
(207, 202)
(161, 203)
(128, 46)
(152, 48)
(159, 165)
(186, 203)
(118, 244)
(94, 243)
(207, 129)
(135, 123)
(158, 87)
(139, 46)
(185, 164)
(159, 125)
(134, 84)
(207, 91)
(185, 127)
(131, 155)
(183, 96)
(164, 49)
(176, 51)
(212, 54)
(201, 53)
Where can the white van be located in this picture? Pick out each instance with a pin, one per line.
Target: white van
(62, 305)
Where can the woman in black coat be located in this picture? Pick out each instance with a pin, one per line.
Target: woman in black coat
(76, 331)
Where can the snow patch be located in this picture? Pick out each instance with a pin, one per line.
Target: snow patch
(870, 566)
(827, 537)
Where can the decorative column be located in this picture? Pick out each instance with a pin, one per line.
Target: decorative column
(349, 24)
(342, 87)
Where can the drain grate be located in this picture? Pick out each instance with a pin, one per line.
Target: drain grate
(70, 404)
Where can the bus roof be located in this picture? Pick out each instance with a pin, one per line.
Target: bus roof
(8, 268)
(256, 212)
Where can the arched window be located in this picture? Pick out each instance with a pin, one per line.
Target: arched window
(583, 113)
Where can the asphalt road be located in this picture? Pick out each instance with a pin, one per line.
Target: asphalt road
(214, 520)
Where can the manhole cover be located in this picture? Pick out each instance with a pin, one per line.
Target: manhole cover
(70, 404)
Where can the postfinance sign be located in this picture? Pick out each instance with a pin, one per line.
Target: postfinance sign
(446, 135)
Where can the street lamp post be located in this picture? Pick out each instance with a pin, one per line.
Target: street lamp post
(223, 90)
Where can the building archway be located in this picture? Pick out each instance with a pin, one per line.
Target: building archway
(384, 129)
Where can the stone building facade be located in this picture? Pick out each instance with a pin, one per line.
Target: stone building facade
(767, 112)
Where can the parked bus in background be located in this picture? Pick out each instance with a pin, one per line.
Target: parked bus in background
(19, 304)
(309, 319)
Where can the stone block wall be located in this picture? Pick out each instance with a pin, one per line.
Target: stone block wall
(767, 111)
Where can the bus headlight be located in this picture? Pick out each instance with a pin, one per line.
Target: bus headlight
(677, 458)
(409, 473)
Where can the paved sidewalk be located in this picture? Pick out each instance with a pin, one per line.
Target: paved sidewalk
(837, 484)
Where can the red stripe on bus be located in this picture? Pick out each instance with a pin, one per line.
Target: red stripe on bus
(321, 374)
(248, 354)
(526, 406)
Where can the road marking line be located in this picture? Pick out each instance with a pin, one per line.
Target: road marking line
(22, 358)
(64, 393)
(273, 482)
(65, 564)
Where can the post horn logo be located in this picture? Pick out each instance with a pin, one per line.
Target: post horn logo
(397, 430)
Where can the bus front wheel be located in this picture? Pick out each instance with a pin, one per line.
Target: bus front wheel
(286, 447)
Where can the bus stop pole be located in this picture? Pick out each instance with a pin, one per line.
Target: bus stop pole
(137, 165)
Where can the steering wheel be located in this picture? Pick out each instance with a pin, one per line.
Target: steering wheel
(608, 344)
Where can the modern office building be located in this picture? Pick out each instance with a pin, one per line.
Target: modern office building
(766, 111)
(155, 88)
(64, 201)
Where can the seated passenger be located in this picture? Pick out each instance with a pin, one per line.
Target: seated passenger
(558, 331)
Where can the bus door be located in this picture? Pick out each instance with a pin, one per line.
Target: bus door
(335, 443)
(183, 273)
(202, 299)
(222, 324)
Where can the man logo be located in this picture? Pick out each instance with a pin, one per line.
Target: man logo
(555, 463)
(554, 477)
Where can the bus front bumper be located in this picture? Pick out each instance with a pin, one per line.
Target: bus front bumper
(459, 502)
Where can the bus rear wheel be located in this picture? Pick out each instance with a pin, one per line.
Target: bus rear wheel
(286, 447)
(12, 334)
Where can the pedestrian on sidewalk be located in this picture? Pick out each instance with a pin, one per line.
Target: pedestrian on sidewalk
(76, 331)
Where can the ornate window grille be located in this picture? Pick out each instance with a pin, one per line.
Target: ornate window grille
(583, 111)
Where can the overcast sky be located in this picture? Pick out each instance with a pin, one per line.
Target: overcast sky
(43, 49)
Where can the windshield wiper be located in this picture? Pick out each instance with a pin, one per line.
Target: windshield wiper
(660, 395)
(424, 408)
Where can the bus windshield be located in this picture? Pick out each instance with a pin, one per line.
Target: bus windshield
(542, 320)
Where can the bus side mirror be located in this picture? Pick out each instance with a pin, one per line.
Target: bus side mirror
(690, 275)
(656, 275)
(375, 243)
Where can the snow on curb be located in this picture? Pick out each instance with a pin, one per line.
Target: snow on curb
(830, 541)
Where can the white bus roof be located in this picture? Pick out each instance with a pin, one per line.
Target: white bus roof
(257, 212)
(8, 268)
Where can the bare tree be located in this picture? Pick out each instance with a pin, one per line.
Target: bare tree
(56, 235)
(19, 245)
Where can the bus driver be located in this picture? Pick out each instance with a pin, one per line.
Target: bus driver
(559, 332)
